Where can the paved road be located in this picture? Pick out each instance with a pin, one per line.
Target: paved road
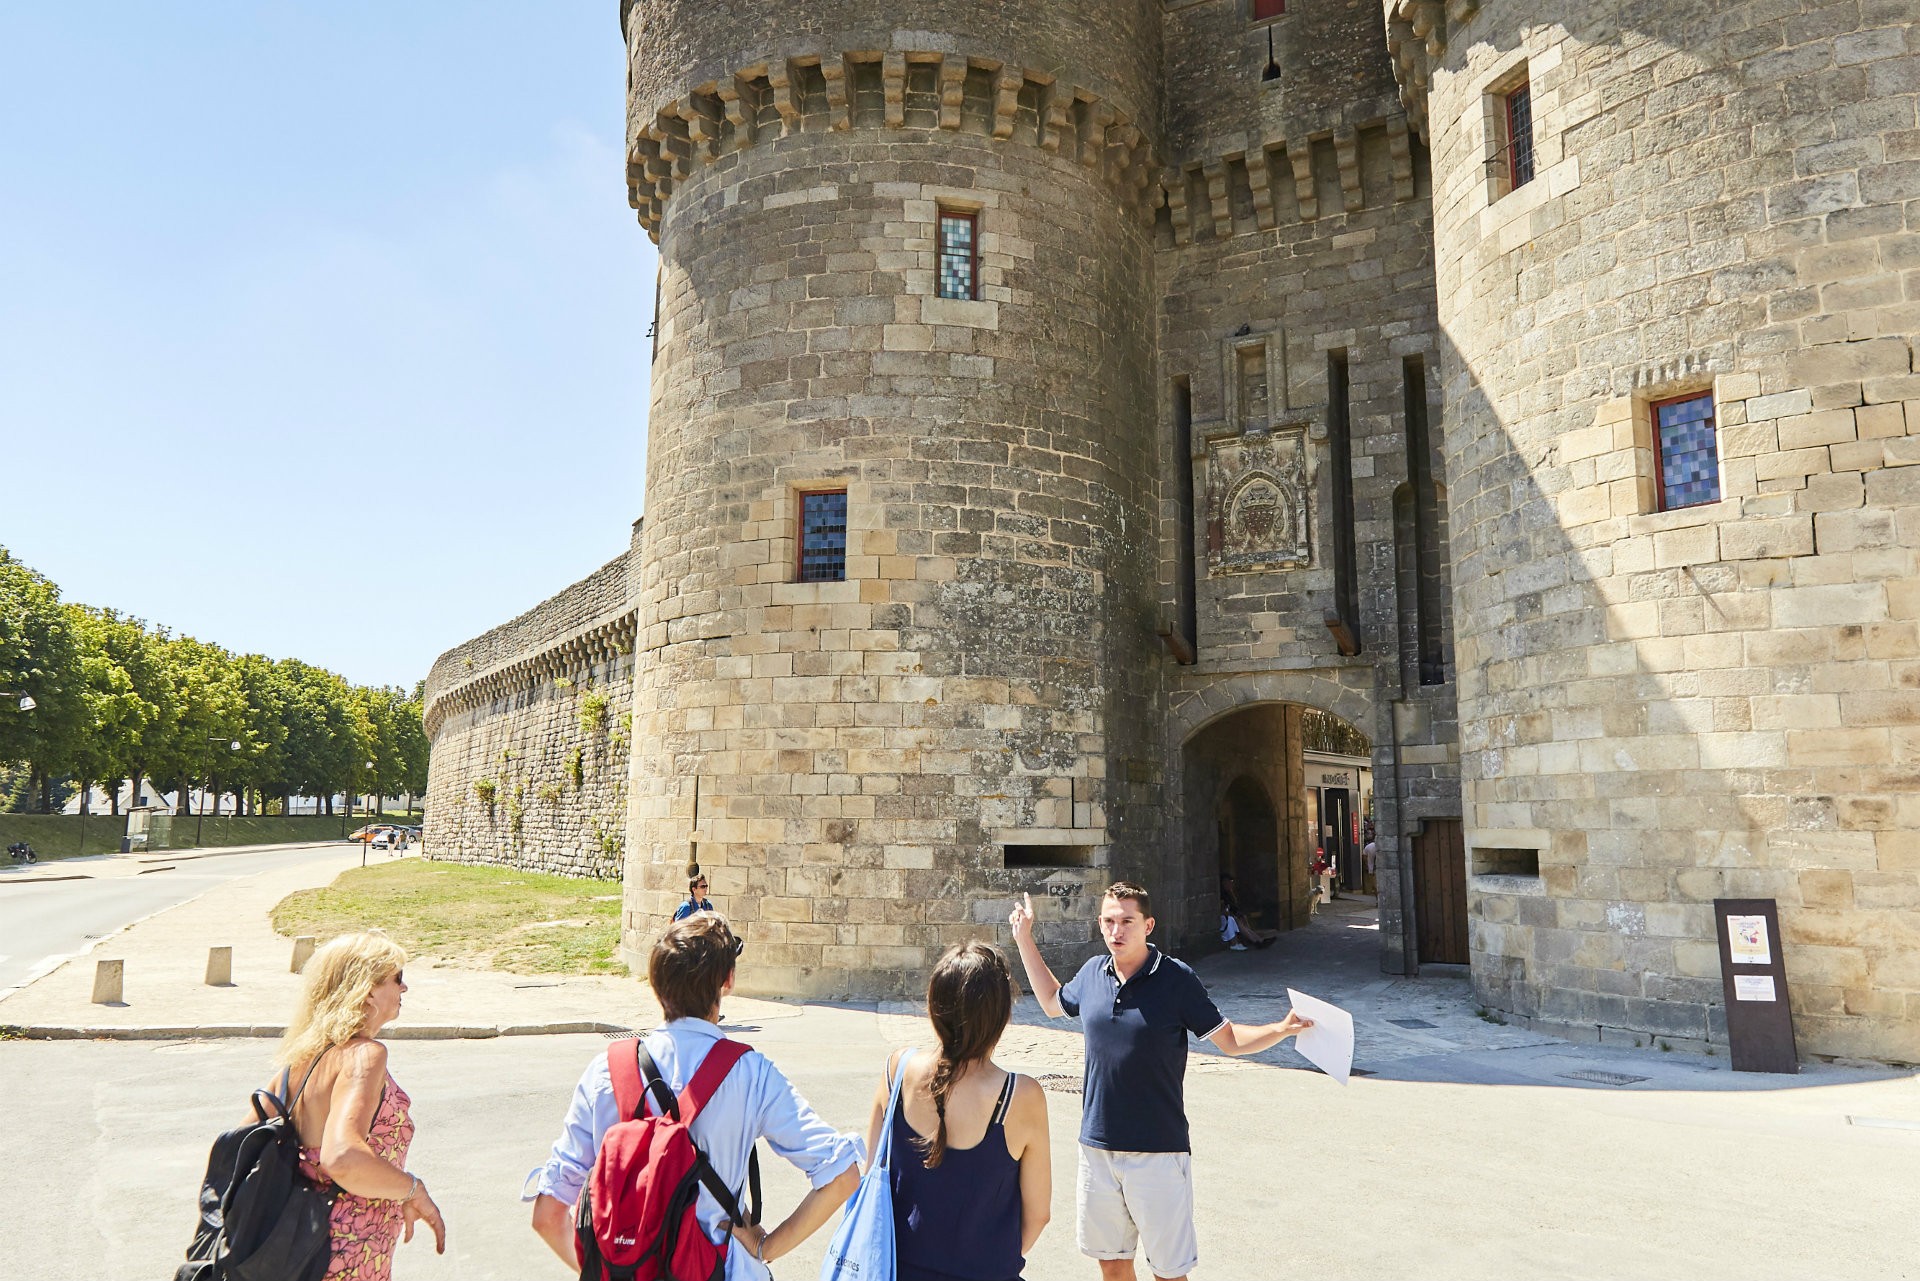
(42, 925)
(1296, 1176)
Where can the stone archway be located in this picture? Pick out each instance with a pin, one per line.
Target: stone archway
(1250, 851)
(1243, 784)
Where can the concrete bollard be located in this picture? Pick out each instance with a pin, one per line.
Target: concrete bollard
(220, 967)
(302, 952)
(109, 982)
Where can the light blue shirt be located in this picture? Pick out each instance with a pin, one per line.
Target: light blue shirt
(755, 1101)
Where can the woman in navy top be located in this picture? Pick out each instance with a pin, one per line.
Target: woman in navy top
(971, 1177)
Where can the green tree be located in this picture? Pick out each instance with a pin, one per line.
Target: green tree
(40, 658)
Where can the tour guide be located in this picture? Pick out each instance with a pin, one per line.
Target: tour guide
(1136, 1007)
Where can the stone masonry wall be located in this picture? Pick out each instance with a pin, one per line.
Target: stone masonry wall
(531, 729)
(851, 761)
(1723, 700)
(1296, 220)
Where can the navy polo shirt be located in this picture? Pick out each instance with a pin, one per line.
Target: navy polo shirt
(1137, 1050)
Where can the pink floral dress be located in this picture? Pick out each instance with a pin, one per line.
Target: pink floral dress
(366, 1229)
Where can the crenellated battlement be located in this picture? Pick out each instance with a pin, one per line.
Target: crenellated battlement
(918, 89)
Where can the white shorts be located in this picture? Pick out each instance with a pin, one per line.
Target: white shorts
(1143, 1199)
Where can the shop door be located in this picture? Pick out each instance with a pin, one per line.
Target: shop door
(1337, 815)
(1440, 892)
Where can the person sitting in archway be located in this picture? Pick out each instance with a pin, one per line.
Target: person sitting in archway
(1235, 930)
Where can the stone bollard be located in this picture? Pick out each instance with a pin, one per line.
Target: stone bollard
(302, 952)
(109, 982)
(220, 967)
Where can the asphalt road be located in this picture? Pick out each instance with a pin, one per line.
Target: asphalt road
(43, 924)
(1296, 1177)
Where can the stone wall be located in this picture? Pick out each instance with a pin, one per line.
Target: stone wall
(1671, 706)
(531, 727)
(861, 767)
(1295, 229)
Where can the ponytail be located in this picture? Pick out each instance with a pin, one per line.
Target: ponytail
(969, 1001)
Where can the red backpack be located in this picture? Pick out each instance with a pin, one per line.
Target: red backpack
(635, 1220)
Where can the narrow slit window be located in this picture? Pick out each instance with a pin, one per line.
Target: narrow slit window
(959, 255)
(1264, 9)
(1688, 454)
(823, 536)
(1520, 136)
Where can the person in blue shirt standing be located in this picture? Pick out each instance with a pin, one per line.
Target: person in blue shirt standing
(690, 968)
(1136, 1007)
(697, 900)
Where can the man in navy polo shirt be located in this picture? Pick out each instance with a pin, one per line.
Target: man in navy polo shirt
(1137, 1007)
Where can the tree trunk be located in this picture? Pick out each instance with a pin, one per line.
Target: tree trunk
(329, 804)
(133, 797)
(86, 796)
(113, 794)
(182, 800)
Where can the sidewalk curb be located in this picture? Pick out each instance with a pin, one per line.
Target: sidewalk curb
(169, 857)
(230, 1031)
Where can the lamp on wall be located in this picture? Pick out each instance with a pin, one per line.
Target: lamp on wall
(26, 700)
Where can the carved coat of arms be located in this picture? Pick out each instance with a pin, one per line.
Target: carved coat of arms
(1257, 501)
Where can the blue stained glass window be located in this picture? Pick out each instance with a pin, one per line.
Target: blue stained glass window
(823, 537)
(957, 259)
(1689, 452)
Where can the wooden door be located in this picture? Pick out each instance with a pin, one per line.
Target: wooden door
(1440, 892)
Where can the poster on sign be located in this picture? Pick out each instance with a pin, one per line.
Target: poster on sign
(1747, 942)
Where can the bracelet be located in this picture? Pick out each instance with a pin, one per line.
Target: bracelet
(760, 1251)
(417, 1188)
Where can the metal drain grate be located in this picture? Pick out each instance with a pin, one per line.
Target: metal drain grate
(1060, 1083)
(1412, 1023)
(620, 1035)
(1604, 1078)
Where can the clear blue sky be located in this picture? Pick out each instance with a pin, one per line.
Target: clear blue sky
(322, 325)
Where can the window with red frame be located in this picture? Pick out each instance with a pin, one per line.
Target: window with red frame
(1264, 9)
(1687, 451)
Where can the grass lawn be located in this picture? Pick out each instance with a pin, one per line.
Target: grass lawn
(497, 917)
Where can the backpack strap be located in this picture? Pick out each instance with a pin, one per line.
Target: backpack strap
(633, 1073)
(699, 1092)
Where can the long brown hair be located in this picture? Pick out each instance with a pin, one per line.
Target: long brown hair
(969, 1000)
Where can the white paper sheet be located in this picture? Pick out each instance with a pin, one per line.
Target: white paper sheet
(1328, 1044)
(1753, 987)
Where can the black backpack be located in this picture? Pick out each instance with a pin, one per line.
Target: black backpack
(260, 1219)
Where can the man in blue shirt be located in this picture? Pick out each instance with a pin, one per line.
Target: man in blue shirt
(1136, 1006)
(690, 968)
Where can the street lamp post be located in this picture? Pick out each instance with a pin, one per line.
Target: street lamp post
(365, 844)
(200, 819)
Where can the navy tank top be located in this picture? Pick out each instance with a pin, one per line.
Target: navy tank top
(961, 1220)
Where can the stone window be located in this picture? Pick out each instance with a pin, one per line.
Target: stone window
(959, 267)
(1507, 116)
(1519, 135)
(1265, 9)
(823, 536)
(1686, 456)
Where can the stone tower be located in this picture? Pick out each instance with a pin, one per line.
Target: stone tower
(860, 766)
(1663, 702)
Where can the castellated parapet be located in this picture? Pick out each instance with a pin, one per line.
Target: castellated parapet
(1290, 387)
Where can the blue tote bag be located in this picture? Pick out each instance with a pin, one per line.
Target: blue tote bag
(862, 1250)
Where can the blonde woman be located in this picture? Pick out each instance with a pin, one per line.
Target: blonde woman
(352, 1116)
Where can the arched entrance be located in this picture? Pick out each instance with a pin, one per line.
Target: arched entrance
(1269, 791)
(1250, 851)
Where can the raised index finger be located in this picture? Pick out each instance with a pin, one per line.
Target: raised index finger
(1029, 901)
